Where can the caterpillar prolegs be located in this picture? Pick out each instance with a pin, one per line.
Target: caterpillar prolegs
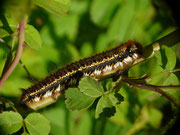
(99, 67)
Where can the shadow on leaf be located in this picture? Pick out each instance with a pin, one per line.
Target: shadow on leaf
(108, 112)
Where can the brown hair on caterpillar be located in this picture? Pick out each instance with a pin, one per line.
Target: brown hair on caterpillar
(99, 67)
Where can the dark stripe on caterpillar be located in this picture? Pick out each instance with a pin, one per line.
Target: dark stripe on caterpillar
(99, 67)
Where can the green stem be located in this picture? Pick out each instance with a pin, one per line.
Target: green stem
(24, 127)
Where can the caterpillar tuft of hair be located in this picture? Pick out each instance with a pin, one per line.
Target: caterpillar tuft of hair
(100, 66)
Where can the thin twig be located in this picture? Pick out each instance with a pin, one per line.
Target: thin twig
(169, 71)
(168, 40)
(146, 77)
(154, 88)
(30, 77)
(9, 102)
(33, 79)
(4, 43)
(18, 53)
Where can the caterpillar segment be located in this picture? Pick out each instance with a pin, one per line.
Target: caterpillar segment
(99, 67)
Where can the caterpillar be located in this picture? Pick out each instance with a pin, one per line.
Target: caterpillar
(100, 66)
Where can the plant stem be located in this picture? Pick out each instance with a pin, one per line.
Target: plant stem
(155, 88)
(30, 77)
(8, 102)
(33, 79)
(18, 53)
(2, 41)
(168, 40)
(169, 71)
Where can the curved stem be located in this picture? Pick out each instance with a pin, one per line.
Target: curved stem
(33, 79)
(154, 88)
(168, 40)
(9, 102)
(18, 54)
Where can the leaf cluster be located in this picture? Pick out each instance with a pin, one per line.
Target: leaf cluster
(35, 123)
(87, 92)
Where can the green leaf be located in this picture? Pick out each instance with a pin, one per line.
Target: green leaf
(32, 37)
(121, 21)
(3, 33)
(58, 116)
(115, 98)
(8, 23)
(171, 58)
(65, 26)
(158, 57)
(86, 50)
(58, 7)
(90, 87)
(17, 9)
(171, 80)
(107, 103)
(10, 122)
(37, 124)
(141, 120)
(155, 117)
(76, 100)
(101, 12)
(25, 133)
(166, 58)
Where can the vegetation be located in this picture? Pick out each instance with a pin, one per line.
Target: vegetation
(37, 37)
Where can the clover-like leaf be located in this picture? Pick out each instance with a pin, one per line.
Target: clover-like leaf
(37, 124)
(10, 122)
(76, 100)
(106, 104)
(90, 87)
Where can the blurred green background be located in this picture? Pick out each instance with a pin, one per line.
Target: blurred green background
(88, 28)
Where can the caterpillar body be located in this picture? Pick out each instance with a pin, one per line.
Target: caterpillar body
(99, 67)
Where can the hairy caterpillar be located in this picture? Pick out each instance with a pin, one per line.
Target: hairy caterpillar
(100, 66)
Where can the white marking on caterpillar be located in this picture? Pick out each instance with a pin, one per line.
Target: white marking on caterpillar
(118, 64)
(108, 67)
(58, 88)
(36, 99)
(86, 74)
(49, 93)
(135, 56)
(127, 60)
(97, 72)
